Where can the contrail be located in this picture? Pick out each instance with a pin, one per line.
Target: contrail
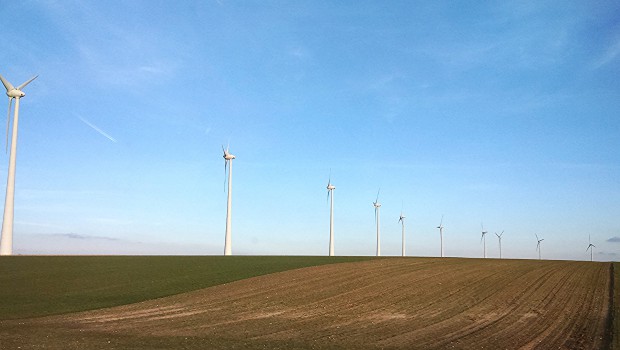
(106, 135)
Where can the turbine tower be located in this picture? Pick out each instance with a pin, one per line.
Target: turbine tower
(228, 163)
(483, 240)
(401, 219)
(6, 242)
(590, 246)
(440, 227)
(330, 191)
(538, 245)
(377, 205)
(499, 237)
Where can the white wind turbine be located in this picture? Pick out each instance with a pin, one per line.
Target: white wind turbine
(6, 242)
(484, 240)
(401, 219)
(440, 227)
(538, 245)
(499, 237)
(377, 205)
(228, 162)
(590, 246)
(330, 191)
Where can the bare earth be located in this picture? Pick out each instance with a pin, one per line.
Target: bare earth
(409, 303)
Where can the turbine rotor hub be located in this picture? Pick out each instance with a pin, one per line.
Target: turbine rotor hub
(15, 93)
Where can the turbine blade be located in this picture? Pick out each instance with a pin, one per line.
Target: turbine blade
(8, 121)
(440, 222)
(377, 200)
(225, 177)
(6, 84)
(26, 83)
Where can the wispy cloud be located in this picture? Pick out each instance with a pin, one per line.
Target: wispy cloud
(97, 129)
(612, 52)
(615, 239)
(117, 53)
(80, 236)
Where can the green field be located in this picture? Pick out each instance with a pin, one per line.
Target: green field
(33, 286)
(425, 303)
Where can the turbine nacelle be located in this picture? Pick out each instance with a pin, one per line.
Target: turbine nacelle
(227, 155)
(330, 187)
(376, 204)
(401, 218)
(15, 93)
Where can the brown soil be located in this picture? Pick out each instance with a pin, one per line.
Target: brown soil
(410, 303)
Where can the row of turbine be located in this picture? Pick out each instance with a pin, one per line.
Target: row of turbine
(228, 157)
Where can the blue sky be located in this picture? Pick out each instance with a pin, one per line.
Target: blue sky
(506, 113)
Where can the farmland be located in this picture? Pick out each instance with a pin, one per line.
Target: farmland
(377, 303)
(45, 285)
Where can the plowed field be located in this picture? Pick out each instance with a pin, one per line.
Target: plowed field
(409, 303)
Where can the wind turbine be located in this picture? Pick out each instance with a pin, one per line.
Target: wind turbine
(590, 246)
(499, 237)
(401, 219)
(6, 242)
(228, 163)
(538, 245)
(440, 227)
(483, 239)
(330, 191)
(377, 205)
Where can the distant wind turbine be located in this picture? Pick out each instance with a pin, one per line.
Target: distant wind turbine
(590, 246)
(499, 237)
(228, 162)
(483, 240)
(440, 227)
(6, 242)
(330, 191)
(401, 219)
(377, 205)
(538, 245)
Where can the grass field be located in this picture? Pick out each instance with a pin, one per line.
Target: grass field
(411, 303)
(46, 285)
